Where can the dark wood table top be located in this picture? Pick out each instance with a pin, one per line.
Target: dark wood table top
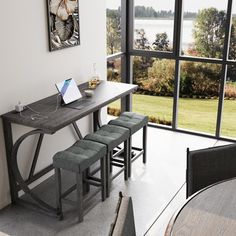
(211, 211)
(105, 93)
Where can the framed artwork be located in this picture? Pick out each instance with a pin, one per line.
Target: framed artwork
(63, 24)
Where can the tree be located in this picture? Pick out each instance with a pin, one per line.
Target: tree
(141, 42)
(209, 31)
(141, 11)
(140, 64)
(161, 42)
(232, 47)
(113, 31)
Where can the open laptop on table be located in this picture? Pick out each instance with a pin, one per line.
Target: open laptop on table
(71, 96)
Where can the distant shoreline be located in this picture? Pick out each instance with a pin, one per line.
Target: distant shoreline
(160, 18)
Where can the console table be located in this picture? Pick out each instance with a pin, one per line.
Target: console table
(105, 93)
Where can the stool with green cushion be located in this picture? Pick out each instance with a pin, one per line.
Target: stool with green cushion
(112, 136)
(133, 122)
(78, 158)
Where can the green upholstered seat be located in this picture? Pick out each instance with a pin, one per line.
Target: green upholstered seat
(109, 135)
(133, 122)
(79, 156)
(112, 136)
(130, 120)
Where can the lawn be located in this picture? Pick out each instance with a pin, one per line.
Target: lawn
(193, 114)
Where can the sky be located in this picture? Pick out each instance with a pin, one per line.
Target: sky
(189, 5)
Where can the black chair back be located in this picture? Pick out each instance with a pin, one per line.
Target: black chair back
(208, 166)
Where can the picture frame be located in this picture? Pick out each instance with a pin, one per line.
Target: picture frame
(63, 24)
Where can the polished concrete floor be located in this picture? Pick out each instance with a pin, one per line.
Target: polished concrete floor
(157, 190)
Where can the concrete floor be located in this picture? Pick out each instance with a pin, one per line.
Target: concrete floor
(157, 190)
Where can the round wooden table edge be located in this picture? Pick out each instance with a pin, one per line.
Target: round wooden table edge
(169, 228)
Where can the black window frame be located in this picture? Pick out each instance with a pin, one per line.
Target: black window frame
(127, 52)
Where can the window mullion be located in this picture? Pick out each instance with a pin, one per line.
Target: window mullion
(224, 68)
(177, 41)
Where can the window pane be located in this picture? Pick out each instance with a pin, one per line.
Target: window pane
(232, 45)
(203, 30)
(199, 91)
(154, 25)
(114, 70)
(155, 78)
(113, 26)
(228, 127)
(114, 74)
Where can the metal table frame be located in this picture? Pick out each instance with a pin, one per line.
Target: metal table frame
(104, 94)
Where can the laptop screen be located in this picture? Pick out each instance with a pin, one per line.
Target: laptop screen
(68, 90)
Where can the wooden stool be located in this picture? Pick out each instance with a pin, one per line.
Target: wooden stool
(112, 136)
(78, 158)
(133, 122)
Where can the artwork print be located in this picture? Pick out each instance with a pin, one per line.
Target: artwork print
(63, 23)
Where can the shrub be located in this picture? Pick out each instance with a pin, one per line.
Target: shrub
(113, 111)
(153, 119)
(158, 120)
(140, 68)
(199, 79)
(196, 79)
(160, 78)
(230, 90)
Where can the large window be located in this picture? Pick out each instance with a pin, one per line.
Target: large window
(228, 127)
(182, 56)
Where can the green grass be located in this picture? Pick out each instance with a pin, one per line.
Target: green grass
(193, 114)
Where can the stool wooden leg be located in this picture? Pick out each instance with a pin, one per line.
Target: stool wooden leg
(108, 173)
(103, 177)
(129, 155)
(86, 186)
(79, 189)
(145, 144)
(126, 159)
(111, 167)
(58, 192)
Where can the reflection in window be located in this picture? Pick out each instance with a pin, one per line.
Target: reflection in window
(155, 78)
(154, 25)
(114, 70)
(114, 74)
(204, 28)
(228, 127)
(199, 92)
(113, 26)
(113, 46)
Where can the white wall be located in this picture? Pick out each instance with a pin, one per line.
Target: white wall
(29, 71)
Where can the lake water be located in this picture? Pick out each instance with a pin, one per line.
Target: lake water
(152, 27)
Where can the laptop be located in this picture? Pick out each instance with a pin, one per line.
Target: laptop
(71, 96)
